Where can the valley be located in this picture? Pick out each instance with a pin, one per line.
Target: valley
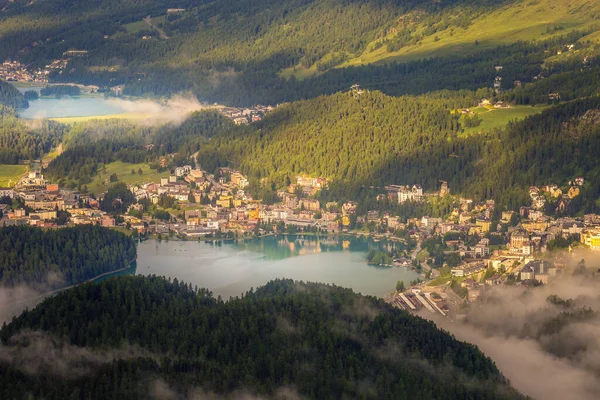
(219, 199)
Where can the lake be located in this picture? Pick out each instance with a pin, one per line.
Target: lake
(174, 109)
(70, 107)
(82, 106)
(229, 268)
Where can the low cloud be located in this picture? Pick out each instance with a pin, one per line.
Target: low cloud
(34, 352)
(529, 368)
(14, 300)
(545, 340)
(174, 110)
(161, 390)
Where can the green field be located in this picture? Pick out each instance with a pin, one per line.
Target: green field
(101, 182)
(499, 118)
(129, 116)
(10, 174)
(121, 229)
(47, 159)
(140, 26)
(440, 280)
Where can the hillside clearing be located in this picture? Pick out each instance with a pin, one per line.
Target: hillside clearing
(10, 174)
(500, 117)
(101, 182)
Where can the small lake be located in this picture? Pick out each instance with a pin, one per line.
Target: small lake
(230, 268)
(82, 106)
(70, 107)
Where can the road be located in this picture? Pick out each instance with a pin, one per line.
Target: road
(30, 300)
(162, 34)
(416, 251)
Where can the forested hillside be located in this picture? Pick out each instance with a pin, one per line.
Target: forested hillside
(19, 142)
(553, 147)
(182, 340)
(11, 97)
(341, 137)
(368, 140)
(91, 144)
(243, 52)
(61, 257)
(377, 140)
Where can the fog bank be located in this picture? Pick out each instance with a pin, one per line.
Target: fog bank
(545, 340)
(174, 110)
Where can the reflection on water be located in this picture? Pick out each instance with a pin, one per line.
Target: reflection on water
(281, 247)
(231, 268)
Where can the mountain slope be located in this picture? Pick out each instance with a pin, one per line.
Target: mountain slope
(509, 22)
(277, 337)
(246, 47)
(379, 140)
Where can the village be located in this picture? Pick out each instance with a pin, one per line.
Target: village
(198, 204)
(14, 71)
(513, 250)
(459, 256)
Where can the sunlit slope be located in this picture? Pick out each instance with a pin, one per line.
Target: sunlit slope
(528, 20)
(243, 47)
(309, 36)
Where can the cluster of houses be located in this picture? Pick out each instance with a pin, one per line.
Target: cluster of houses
(539, 196)
(220, 204)
(497, 104)
(242, 116)
(520, 244)
(208, 204)
(402, 194)
(16, 72)
(521, 239)
(42, 203)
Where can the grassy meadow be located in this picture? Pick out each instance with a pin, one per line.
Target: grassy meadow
(101, 182)
(526, 20)
(10, 174)
(129, 116)
(492, 118)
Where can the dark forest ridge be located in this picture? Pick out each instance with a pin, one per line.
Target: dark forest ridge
(120, 334)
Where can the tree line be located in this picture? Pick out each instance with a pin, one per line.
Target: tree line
(61, 257)
(20, 141)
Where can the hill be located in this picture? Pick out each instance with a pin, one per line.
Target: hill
(378, 140)
(129, 337)
(19, 141)
(240, 52)
(340, 137)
